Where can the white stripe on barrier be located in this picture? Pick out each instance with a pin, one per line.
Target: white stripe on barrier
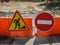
(49, 22)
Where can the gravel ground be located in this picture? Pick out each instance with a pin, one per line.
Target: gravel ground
(12, 6)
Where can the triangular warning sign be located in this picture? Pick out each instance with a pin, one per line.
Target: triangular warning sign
(17, 22)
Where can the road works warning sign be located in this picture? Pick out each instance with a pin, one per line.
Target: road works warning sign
(17, 22)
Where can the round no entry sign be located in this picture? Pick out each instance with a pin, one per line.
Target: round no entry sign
(44, 21)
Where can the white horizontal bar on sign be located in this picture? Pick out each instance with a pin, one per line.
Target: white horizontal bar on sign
(49, 22)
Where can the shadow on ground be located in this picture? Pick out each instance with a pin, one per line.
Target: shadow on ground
(41, 40)
(21, 41)
(55, 39)
(46, 40)
(6, 40)
(37, 40)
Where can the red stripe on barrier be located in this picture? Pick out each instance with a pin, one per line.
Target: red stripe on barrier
(4, 24)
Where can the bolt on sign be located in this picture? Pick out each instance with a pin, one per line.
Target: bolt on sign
(17, 22)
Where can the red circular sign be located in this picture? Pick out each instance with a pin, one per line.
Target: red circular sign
(44, 21)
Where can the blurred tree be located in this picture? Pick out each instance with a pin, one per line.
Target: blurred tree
(53, 4)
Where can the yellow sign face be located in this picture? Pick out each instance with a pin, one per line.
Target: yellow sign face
(17, 22)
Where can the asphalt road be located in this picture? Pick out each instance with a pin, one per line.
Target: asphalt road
(52, 40)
